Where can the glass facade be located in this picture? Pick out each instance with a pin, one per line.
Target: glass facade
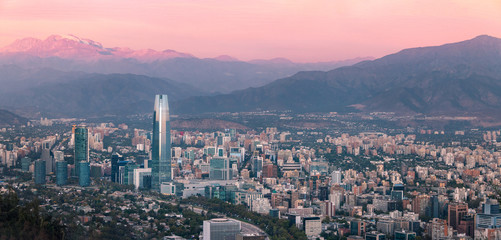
(129, 173)
(115, 159)
(84, 174)
(161, 143)
(81, 147)
(405, 236)
(61, 173)
(40, 172)
(25, 164)
(219, 169)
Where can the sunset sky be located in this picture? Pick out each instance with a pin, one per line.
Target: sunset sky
(300, 30)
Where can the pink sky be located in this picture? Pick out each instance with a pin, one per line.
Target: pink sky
(301, 30)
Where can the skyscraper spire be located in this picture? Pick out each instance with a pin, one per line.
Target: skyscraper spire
(161, 145)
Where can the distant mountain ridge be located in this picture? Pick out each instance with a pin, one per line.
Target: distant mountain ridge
(221, 74)
(86, 95)
(73, 47)
(9, 119)
(459, 78)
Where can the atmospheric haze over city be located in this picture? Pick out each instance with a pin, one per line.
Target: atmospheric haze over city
(250, 120)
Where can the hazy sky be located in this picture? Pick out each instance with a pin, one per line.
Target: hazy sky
(301, 30)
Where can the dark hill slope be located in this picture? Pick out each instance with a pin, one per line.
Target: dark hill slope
(455, 78)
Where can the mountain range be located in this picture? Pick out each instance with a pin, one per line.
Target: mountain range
(8, 119)
(69, 77)
(222, 74)
(461, 78)
(53, 93)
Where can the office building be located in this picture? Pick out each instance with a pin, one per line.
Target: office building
(312, 226)
(128, 177)
(257, 165)
(456, 212)
(115, 159)
(435, 206)
(161, 145)
(140, 174)
(58, 156)
(467, 225)
(221, 229)
(48, 160)
(270, 171)
(61, 173)
(375, 236)
(25, 164)
(398, 187)
(84, 174)
(386, 226)
(220, 169)
(168, 188)
(274, 213)
(357, 228)
(96, 171)
(397, 195)
(40, 171)
(336, 177)
(490, 218)
(403, 235)
(81, 147)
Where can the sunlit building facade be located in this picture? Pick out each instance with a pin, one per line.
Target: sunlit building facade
(161, 143)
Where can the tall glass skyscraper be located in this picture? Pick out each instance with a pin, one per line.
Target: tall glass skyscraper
(61, 172)
(84, 176)
(161, 146)
(81, 147)
(115, 159)
(39, 171)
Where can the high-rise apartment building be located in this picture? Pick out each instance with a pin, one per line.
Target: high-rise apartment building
(420, 204)
(161, 143)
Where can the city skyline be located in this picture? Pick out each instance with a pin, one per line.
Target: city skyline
(272, 120)
(303, 31)
(367, 179)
